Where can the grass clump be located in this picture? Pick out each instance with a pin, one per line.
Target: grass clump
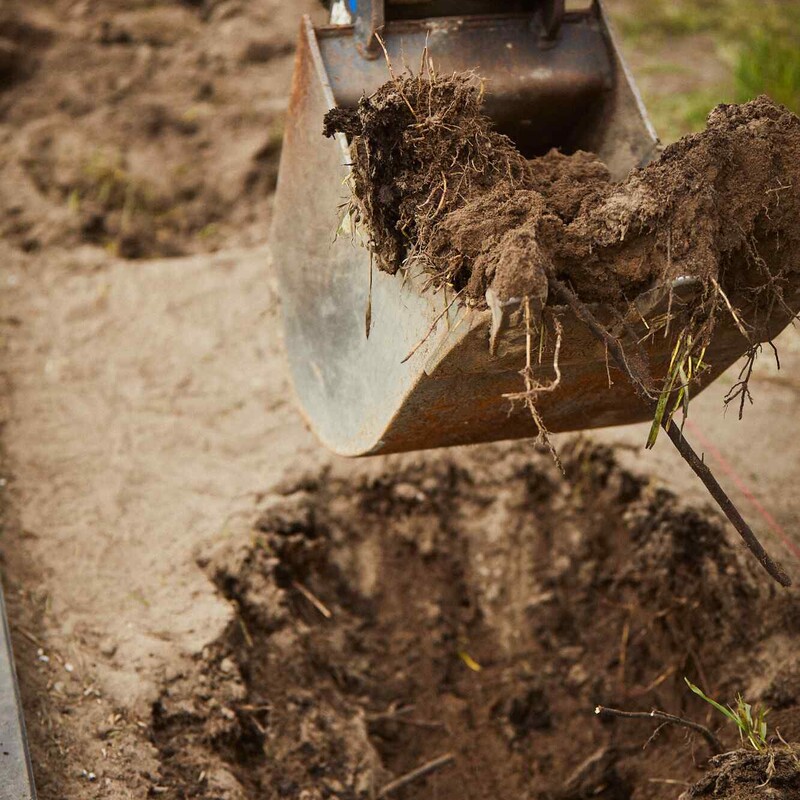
(749, 720)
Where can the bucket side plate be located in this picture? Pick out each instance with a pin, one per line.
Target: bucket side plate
(361, 395)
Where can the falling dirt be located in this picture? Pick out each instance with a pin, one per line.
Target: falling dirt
(435, 185)
(446, 610)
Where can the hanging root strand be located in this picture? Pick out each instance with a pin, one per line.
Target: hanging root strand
(640, 381)
(741, 389)
(533, 388)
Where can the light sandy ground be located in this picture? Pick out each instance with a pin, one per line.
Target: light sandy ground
(143, 406)
(148, 406)
(145, 402)
(758, 453)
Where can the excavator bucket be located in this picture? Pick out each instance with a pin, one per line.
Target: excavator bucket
(554, 78)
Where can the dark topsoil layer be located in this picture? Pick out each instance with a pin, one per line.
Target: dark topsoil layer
(149, 127)
(437, 185)
(446, 608)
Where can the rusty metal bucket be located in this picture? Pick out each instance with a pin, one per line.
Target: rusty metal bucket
(561, 85)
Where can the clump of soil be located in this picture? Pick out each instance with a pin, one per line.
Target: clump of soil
(743, 775)
(442, 609)
(436, 185)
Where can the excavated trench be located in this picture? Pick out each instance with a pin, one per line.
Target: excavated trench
(471, 610)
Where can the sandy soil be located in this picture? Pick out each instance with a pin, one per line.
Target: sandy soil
(148, 407)
(149, 417)
(147, 427)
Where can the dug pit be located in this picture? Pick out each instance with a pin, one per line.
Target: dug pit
(465, 614)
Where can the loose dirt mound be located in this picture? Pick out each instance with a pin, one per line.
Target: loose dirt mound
(436, 185)
(447, 609)
(149, 127)
(743, 776)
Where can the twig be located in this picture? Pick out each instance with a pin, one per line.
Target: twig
(726, 504)
(416, 774)
(640, 385)
(739, 323)
(432, 327)
(398, 715)
(711, 739)
(313, 599)
(28, 635)
(410, 721)
(668, 781)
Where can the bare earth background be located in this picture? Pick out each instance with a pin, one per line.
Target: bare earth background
(145, 405)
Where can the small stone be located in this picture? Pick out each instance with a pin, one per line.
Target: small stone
(108, 647)
(430, 485)
(227, 666)
(408, 492)
(577, 675)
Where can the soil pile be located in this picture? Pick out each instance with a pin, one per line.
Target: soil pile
(437, 186)
(445, 610)
(743, 776)
(116, 121)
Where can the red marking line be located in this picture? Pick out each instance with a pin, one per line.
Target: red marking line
(740, 484)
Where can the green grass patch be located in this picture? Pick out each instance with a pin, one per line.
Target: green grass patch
(675, 115)
(106, 180)
(680, 18)
(769, 63)
(751, 721)
(730, 20)
(758, 41)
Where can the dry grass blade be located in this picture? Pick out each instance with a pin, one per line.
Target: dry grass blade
(415, 775)
(432, 328)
